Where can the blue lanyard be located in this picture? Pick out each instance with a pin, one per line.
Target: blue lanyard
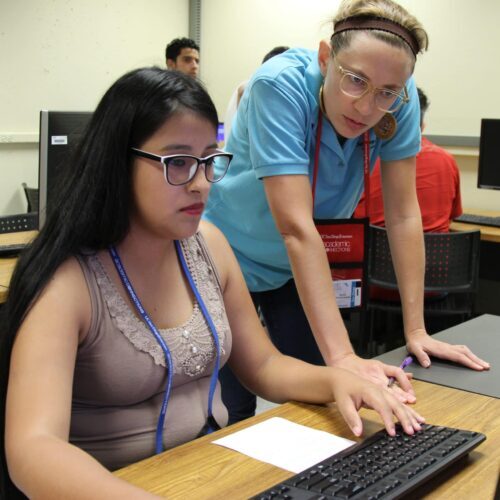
(211, 424)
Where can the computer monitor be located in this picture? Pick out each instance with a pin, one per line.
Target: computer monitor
(60, 132)
(220, 133)
(488, 175)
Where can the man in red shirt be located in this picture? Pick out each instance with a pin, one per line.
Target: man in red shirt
(437, 180)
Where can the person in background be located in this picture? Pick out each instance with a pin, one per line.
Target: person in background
(437, 181)
(183, 54)
(279, 49)
(308, 125)
(234, 101)
(123, 309)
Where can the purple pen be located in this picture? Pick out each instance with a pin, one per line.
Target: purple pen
(407, 361)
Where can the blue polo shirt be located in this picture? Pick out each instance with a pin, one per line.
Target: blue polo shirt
(274, 133)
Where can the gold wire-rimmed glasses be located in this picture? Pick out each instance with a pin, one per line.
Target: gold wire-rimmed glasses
(386, 100)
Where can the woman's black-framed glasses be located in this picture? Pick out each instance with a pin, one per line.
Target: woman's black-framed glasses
(181, 169)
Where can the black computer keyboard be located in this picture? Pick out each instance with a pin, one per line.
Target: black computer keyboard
(381, 466)
(482, 220)
(11, 250)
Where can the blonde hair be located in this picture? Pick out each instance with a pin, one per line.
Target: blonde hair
(386, 9)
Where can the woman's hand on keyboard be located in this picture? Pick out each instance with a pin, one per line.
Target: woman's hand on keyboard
(379, 373)
(353, 392)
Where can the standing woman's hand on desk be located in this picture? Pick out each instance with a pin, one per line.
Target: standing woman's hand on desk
(379, 373)
(423, 346)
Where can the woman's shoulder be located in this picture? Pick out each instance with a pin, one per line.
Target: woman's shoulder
(66, 295)
(69, 272)
(287, 69)
(68, 280)
(298, 58)
(217, 246)
(212, 236)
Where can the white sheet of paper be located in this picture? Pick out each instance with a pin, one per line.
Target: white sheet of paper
(283, 443)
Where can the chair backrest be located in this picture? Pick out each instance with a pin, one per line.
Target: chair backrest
(19, 222)
(31, 197)
(451, 261)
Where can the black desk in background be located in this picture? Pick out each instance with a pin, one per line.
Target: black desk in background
(489, 272)
(482, 336)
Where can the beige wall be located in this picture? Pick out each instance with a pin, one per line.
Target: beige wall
(236, 34)
(63, 54)
(458, 72)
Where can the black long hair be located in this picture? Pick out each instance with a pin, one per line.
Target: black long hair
(94, 203)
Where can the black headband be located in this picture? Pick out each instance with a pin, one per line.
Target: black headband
(377, 23)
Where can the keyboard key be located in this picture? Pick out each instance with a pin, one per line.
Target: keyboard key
(349, 491)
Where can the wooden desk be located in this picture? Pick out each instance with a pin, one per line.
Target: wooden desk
(203, 470)
(488, 233)
(7, 264)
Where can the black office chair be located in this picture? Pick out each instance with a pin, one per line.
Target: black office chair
(31, 197)
(19, 222)
(451, 277)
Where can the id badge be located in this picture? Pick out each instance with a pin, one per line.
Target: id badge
(347, 292)
(346, 249)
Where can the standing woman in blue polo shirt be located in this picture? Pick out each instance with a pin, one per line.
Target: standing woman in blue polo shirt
(305, 104)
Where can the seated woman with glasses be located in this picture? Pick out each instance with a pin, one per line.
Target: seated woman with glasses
(125, 307)
(308, 125)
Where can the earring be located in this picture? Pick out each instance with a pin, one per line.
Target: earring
(386, 127)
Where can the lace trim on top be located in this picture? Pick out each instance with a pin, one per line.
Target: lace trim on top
(191, 344)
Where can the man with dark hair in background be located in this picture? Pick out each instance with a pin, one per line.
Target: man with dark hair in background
(183, 54)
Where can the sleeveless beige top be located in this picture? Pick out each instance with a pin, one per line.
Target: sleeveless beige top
(120, 374)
